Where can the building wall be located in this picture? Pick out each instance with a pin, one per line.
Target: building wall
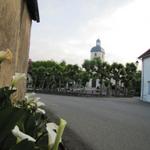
(145, 94)
(15, 28)
(97, 55)
(89, 84)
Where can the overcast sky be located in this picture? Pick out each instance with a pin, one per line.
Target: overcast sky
(69, 28)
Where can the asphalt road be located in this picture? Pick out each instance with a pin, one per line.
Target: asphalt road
(105, 123)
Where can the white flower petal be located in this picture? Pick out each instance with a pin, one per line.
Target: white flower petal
(50, 127)
(40, 110)
(21, 136)
(31, 97)
(39, 104)
(17, 77)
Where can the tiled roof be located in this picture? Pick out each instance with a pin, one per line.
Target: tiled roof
(33, 9)
(146, 54)
(96, 49)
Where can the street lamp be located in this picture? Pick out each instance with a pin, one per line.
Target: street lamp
(137, 63)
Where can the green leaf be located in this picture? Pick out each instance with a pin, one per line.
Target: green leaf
(42, 142)
(24, 145)
(9, 117)
(29, 124)
(5, 94)
(9, 142)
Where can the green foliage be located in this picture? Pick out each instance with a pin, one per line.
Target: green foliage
(116, 77)
(5, 94)
(24, 115)
(24, 145)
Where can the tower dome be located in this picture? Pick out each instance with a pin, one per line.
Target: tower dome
(98, 42)
(97, 51)
(98, 47)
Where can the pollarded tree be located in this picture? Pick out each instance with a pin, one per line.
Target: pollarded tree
(84, 77)
(72, 74)
(102, 72)
(34, 74)
(137, 84)
(41, 72)
(130, 78)
(117, 74)
(88, 65)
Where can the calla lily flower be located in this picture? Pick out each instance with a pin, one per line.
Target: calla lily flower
(17, 77)
(39, 104)
(55, 134)
(33, 102)
(6, 55)
(40, 110)
(21, 136)
(30, 98)
(51, 129)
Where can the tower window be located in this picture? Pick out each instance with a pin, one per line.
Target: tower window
(95, 54)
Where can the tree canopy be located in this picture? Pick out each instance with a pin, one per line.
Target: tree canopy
(115, 77)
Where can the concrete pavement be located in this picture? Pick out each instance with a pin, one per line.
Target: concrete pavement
(105, 123)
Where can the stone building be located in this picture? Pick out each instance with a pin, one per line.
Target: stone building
(145, 85)
(15, 27)
(96, 52)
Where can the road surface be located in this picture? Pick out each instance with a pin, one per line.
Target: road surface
(105, 123)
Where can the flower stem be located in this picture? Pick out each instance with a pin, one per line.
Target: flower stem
(59, 133)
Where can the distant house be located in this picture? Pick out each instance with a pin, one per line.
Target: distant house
(15, 29)
(145, 86)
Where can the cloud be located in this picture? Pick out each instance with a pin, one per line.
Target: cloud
(125, 33)
(69, 29)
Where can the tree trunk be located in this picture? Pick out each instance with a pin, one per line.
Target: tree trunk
(101, 86)
(116, 88)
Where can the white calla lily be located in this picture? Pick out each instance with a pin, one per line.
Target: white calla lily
(51, 127)
(39, 104)
(17, 77)
(34, 101)
(40, 110)
(21, 136)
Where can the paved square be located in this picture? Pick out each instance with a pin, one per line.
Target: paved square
(105, 123)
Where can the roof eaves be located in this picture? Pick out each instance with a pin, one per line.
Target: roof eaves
(145, 54)
(33, 9)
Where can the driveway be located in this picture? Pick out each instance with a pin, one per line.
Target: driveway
(105, 123)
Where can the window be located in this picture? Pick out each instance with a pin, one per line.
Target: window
(148, 87)
(95, 54)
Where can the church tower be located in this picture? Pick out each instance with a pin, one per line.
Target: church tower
(97, 51)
